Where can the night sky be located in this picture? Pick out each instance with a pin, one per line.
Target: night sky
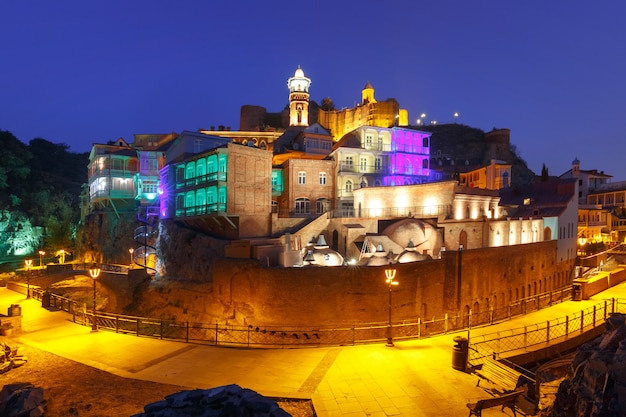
(84, 72)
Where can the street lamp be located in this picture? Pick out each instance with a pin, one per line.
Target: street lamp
(94, 272)
(131, 250)
(28, 263)
(456, 116)
(41, 254)
(390, 274)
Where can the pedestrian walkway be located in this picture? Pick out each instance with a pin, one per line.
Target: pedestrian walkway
(414, 378)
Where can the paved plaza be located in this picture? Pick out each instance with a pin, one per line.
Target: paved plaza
(413, 378)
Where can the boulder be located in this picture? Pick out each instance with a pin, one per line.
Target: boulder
(227, 400)
(596, 386)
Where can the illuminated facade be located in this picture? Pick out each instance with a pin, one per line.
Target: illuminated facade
(375, 156)
(121, 174)
(370, 112)
(495, 176)
(308, 186)
(299, 99)
(112, 174)
(225, 189)
(302, 112)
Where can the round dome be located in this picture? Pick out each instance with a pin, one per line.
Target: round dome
(424, 235)
(299, 73)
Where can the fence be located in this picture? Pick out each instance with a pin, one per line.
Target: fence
(522, 338)
(294, 336)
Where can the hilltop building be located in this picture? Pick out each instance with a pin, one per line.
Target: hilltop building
(303, 112)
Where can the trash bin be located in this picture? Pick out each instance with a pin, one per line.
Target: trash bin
(15, 310)
(577, 292)
(459, 353)
(45, 300)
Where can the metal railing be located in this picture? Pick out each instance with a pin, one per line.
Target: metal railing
(523, 338)
(222, 334)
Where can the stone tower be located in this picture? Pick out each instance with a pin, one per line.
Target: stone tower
(367, 94)
(299, 99)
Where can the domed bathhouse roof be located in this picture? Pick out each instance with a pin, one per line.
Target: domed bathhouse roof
(410, 254)
(380, 257)
(321, 255)
(428, 238)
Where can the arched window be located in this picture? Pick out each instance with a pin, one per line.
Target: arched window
(349, 186)
(303, 205)
(201, 168)
(321, 205)
(190, 170)
(425, 163)
(212, 164)
(201, 201)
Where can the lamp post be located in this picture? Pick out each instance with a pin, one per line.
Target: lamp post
(41, 254)
(456, 116)
(131, 251)
(94, 272)
(390, 274)
(28, 263)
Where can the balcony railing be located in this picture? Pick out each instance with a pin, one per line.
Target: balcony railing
(202, 179)
(202, 210)
(391, 212)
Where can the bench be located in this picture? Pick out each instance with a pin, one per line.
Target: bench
(504, 377)
(505, 400)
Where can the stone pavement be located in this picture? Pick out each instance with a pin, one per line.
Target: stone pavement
(414, 378)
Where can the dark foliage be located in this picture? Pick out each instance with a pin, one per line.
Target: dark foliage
(42, 180)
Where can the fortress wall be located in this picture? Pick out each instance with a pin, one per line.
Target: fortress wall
(349, 294)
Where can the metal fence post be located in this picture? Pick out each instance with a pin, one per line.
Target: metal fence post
(605, 306)
(445, 326)
(548, 332)
(161, 330)
(582, 320)
(566, 326)
(419, 327)
(525, 338)
(187, 331)
(594, 316)
(137, 322)
(215, 333)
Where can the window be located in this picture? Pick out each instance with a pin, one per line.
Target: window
(322, 178)
(349, 161)
(301, 177)
(321, 205)
(368, 140)
(349, 186)
(378, 163)
(303, 206)
(363, 164)
(425, 142)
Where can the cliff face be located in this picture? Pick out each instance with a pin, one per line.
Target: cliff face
(597, 385)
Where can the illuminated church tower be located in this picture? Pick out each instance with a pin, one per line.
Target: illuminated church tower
(367, 94)
(299, 99)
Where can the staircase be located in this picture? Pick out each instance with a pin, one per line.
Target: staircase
(145, 235)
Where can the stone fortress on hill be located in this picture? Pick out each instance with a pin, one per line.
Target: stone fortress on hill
(293, 218)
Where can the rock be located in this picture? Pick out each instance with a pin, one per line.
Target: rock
(596, 386)
(22, 400)
(227, 400)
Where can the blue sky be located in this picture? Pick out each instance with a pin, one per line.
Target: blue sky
(84, 72)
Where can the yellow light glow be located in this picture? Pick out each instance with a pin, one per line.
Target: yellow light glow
(430, 206)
